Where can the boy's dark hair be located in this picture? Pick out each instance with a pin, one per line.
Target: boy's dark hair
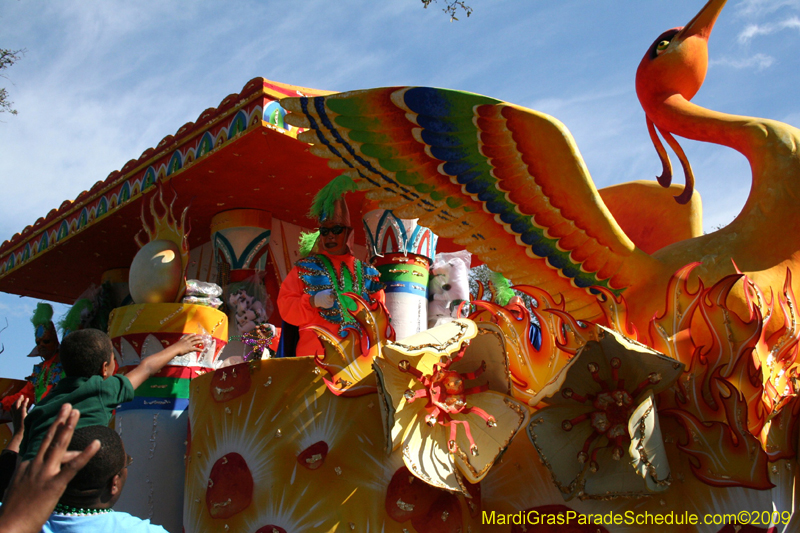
(83, 352)
(107, 463)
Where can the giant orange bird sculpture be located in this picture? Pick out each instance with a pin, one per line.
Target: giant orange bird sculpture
(614, 422)
(509, 183)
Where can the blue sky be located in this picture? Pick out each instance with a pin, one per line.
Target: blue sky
(104, 80)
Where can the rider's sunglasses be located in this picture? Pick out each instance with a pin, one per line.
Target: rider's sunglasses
(336, 230)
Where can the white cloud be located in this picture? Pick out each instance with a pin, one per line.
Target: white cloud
(757, 61)
(20, 308)
(792, 119)
(752, 30)
(754, 8)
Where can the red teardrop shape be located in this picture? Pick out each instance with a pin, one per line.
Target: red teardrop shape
(230, 486)
(444, 516)
(230, 382)
(408, 497)
(314, 456)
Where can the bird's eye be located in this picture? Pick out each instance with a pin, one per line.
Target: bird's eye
(662, 45)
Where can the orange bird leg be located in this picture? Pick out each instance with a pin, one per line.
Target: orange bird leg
(686, 195)
(665, 179)
(476, 390)
(410, 370)
(457, 357)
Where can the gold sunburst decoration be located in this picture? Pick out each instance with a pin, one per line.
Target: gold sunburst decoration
(156, 276)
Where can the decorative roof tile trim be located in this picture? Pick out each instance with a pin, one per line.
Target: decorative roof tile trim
(255, 106)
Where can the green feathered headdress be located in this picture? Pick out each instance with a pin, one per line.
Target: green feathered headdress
(42, 315)
(501, 288)
(324, 205)
(73, 320)
(42, 320)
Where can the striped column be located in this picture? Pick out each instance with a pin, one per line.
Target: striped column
(241, 246)
(402, 252)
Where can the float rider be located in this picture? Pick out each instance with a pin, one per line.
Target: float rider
(313, 291)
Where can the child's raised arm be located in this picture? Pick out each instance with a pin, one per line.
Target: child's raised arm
(153, 363)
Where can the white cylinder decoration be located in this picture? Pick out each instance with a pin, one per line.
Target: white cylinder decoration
(402, 252)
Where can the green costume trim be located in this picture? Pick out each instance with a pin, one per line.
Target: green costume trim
(78, 511)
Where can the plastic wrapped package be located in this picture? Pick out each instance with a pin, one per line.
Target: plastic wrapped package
(216, 303)
(202, 289)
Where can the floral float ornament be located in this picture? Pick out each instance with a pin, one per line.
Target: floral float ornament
(445, 401)
(600, 435)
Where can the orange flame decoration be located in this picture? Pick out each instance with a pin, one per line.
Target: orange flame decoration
(166, 227)
(532, 369)
(736, 401)
(348, 359)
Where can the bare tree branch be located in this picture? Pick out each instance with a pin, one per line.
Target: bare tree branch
(7, 58)
(451, 7)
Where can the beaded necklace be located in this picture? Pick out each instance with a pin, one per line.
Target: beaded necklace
(68, 510)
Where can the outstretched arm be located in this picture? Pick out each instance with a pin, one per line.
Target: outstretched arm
(153, 363)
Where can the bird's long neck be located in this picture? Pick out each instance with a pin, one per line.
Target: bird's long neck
(681, 117)
(771, 147)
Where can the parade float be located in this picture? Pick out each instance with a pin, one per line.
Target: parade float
(660, 391)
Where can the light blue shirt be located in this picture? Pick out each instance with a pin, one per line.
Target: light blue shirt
(100, 523)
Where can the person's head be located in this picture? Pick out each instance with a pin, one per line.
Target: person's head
(46, 341)
(86, 353)
(330, 210)
(334, 237)
(100, 482)
(44, 332)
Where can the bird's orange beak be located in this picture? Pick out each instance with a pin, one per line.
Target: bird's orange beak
(702, 24)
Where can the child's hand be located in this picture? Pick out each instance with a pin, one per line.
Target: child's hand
(189, 343)
(18, 413)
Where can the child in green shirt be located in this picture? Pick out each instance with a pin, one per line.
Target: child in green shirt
(87, 357)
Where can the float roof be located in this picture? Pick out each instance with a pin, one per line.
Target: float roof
(237, 155)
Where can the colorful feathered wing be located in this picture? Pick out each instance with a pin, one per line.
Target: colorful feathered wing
(506, 182)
